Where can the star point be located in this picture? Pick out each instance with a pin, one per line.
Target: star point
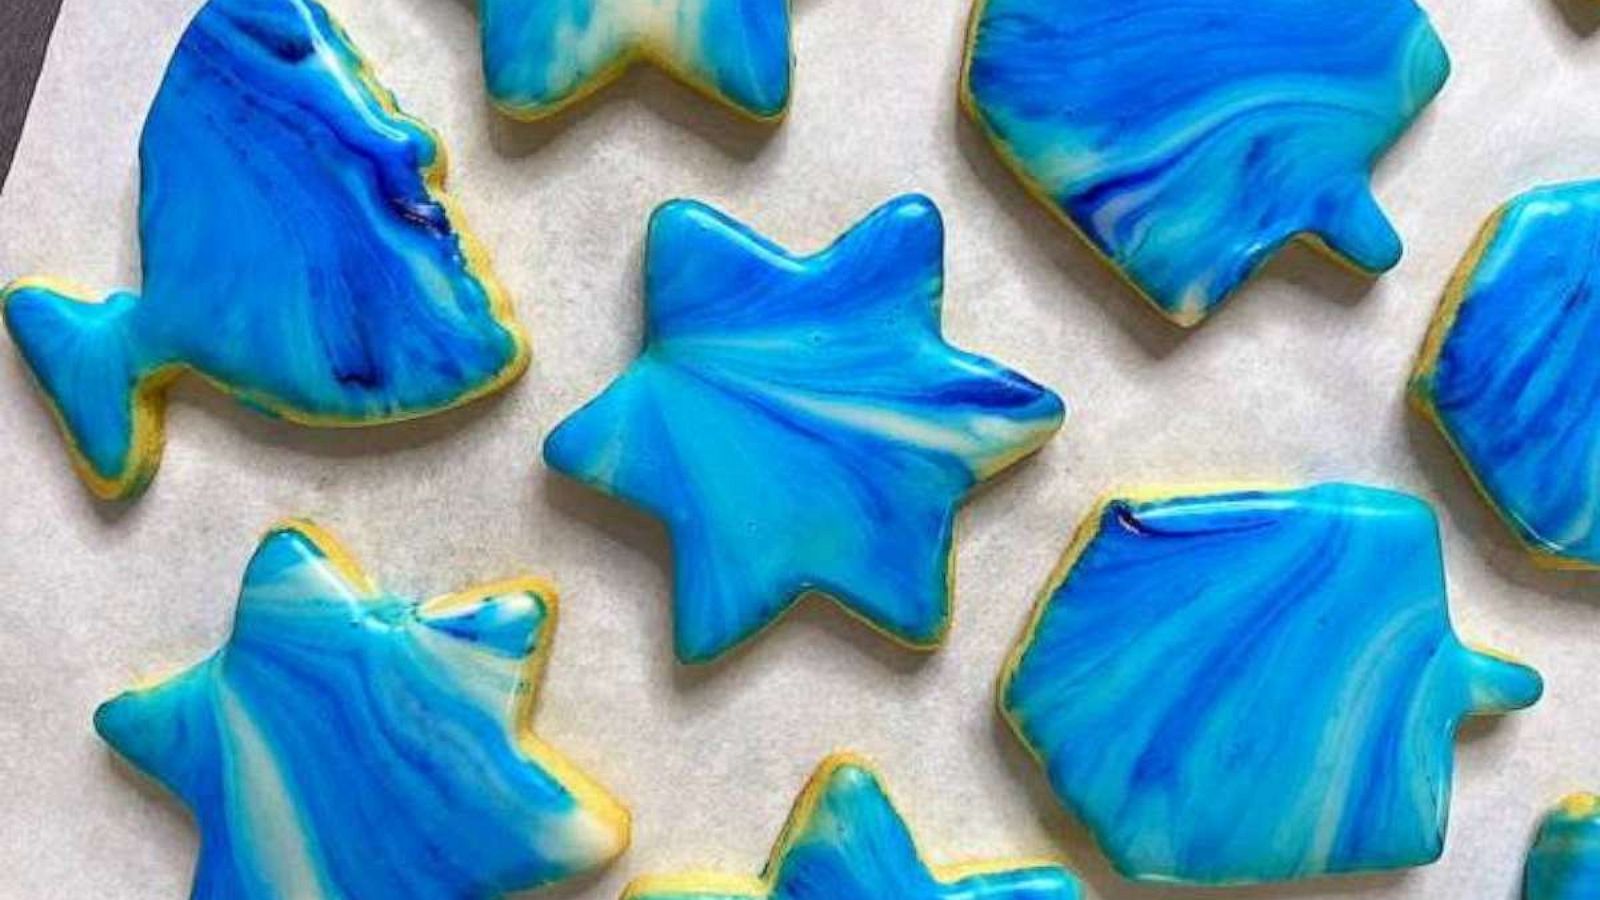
(845, 840)
(801, 425)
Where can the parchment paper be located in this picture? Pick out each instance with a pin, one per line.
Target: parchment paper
(1299, 379)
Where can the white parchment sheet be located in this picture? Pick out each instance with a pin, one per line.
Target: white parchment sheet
(1300, 378)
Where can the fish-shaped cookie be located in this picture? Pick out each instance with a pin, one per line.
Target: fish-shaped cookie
(1189, 140)
(540, 56)
(1509, 370)
(1254, 685)
(350, 743)
(801, 424)
(846, 841)
(1564, 863)
(297, 251)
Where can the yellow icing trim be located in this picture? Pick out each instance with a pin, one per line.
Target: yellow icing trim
(1420, 389)
(804, 808)
(1181, 318)
(642, 52)
(1494, 653)
(586, 791)
(1580, 806)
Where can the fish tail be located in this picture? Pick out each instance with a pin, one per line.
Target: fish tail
(87, 358)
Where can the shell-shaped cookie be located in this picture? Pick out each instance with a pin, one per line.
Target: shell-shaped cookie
(1509, 371)
(1254, 685)
(1188, 140)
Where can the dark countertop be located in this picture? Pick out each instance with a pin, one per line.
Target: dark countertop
(24, 34)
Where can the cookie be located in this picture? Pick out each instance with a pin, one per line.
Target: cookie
(350, 743)
(1189, 141)
(1255, 685)
(540, 56)
(297, 250)
(801, 425)
(845, 839)
(1508, 370)
(1564, 863)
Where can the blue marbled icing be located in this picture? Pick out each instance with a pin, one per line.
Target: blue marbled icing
(295, 251)
(540, 55)
(1510, 372)
(1254, 686)
(846, 841)
(1190, 140)
(1564, 863)
(348, 743)
(800, 423)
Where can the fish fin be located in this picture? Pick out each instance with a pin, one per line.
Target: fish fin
(1360, 232)
(87, 358)
(1499, 684)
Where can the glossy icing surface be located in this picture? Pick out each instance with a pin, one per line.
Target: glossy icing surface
(1509, 371)
(800, 423)
(846, 841)
(541, 55)
(349, 743)
(1254, 686)
(1188, 141)
(1564, 863)
(296, 252)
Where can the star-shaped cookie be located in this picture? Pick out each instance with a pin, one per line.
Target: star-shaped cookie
(801, 425)
(542, 55)
(348, 743)
(846, 841)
